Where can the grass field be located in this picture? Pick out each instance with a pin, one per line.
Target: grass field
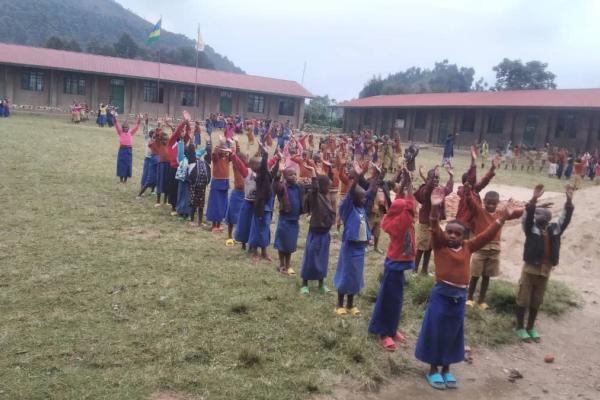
(106, 297)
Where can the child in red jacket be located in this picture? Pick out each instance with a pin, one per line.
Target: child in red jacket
(398, 223)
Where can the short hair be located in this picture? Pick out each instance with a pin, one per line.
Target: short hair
(465, 177)
(492, 195)
(457, 222)
(323, 180)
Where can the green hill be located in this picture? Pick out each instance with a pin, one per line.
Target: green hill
(33, 22)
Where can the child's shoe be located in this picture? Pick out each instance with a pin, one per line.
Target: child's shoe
(523, 335)
(388, 344)
(354, 311)
(230, 243)
(470, 303)
(341, 311)
(324, 290)
(483, 306)
(304, 290)
(158, 205)
(291, 272)
(173, 213)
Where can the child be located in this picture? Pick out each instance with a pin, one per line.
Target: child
(316, 250)
(377, 208)
(260, 228)
(236, 199)
(247, 169)
(423, 196)
(485, 263)
(217, 197)
(578, 174)
(187, 155)
(125, 154)
(291, 199)
(441, 340)
(158, 145)
(398, 223)
(197, 134)
(541, 254)
(198, 179)
(349, 275)
(151, 158)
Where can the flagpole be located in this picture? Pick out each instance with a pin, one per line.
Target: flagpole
(158, 79)
(196, 79)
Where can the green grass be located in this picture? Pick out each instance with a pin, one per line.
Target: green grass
(104, 296)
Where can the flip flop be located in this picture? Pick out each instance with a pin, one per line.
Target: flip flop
(534, 335)
(304, 290)
(450, 381)
(291, 271)
(399, 337)
(470, 303)
(230, 243)
(341, 311)
(436, 381)
(354, 311)
(483, 306)
(523, 335)
(324, 290)
(388, 344)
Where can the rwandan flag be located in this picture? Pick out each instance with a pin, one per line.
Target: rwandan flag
(155, 34)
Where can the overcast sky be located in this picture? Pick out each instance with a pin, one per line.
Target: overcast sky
(346, 42)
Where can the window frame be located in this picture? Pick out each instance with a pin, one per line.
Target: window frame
(156, 96)
(255, 103)
(72, 84)
(186, 96)
(34, 85)
(291, 103)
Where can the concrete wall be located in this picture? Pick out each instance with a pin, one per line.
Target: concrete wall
(98, 90)
(513, 127)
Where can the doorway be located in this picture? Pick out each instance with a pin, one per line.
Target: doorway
(530, 130)
(225, 103)
(117, 94)
(443, 127)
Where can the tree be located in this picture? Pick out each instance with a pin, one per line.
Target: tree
(320, 111)
(126, 47)
(73, 45)
(444, 77)
(54, 42)
(514, 75)
(480, 85)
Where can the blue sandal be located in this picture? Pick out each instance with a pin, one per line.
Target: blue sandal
(450, 380)
(436, 381)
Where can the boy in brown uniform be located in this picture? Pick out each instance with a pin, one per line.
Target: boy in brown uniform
(541, 254)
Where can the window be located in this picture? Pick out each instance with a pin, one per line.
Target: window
(496, 122)
(420, 119)
(368, 117)
(256, 103)
(286, 106)
(566, 126)
(151, 94)
(187, 94)
(400, 121)
(32, 80)
(468, 121)
(74, 84)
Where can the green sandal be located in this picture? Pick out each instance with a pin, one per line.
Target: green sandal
(534, 335)
(523, 335)
(324, 290)
(304, 290)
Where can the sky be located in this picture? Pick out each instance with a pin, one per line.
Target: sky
(346, 42)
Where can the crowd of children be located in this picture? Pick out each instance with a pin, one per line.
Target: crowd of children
(312, 178)
(4, 108)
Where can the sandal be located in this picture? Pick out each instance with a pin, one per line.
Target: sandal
(534, 335)
(304, 290)
(230, 243)
(483, 306)
(523, 335)
(388, 344)
(341, 311)
(450, 381)
(470, 303)
(398, 337)
(291, 272)
(324, 290)
(354, 311)
(436, 381)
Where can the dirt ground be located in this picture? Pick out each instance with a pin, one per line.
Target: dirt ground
(573, 339)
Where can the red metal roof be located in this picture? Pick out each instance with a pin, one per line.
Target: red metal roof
(123, 67)
(563, 98)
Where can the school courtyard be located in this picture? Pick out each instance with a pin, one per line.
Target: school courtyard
(107, 297)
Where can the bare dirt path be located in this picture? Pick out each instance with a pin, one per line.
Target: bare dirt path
(573, 339)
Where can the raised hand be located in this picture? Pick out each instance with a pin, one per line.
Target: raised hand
(449, 170)
(512, 209)
(473, 154)
(538, 191)
(437, 196)
(496, 162)
(569, 191)
(357, 169)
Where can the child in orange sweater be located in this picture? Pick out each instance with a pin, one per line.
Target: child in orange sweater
(441, 340)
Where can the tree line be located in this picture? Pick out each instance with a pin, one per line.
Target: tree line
(445, 77)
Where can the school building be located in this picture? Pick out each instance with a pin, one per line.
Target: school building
(50, 80)
(566, 117)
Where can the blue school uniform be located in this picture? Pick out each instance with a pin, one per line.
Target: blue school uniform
(260, 228)
(217, 200)
(236, 199)
(441, 340)
(349, 274)
(286, 235)
(183, 194)
(244, 221)
(315, 261)
(150, 171)
(124, 162)
(162, 180)
(388, 307)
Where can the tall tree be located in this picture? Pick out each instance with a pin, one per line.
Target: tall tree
(72, 45)
(126, 47)
(319, 111)
(54, 42)
(444, 77)
(514, 75)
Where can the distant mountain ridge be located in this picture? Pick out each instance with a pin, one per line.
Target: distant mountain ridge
(33, 22)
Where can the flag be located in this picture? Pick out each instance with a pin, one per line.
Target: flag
(199, 41)
(155, 34)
